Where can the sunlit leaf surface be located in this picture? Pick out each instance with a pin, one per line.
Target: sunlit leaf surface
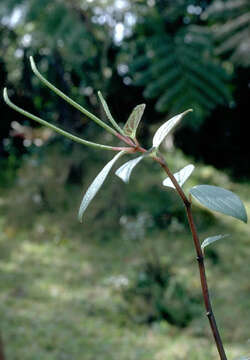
(125, 170)
(166, 128)
(212, 239)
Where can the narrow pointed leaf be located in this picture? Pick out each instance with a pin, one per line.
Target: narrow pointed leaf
(51, 126)
(212, 239)
(181, 176)
(166, 128)
(221, 200)
(96, 185)
(68, 99)
(125, 170)
(108, 113)
(133, 121)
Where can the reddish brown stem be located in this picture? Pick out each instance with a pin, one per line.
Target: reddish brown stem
(1, 350)
(126, 139)
(200, 259)
(122, 148)
(129, 150)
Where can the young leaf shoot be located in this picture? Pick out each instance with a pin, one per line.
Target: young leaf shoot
(167, 127)
(181, 176)
(212, 239)
(133, 121)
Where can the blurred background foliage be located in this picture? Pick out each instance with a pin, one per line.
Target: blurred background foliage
(171, 55)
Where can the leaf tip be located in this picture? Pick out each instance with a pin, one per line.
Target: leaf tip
(186, 112)
(119, 174)
(32, 64)
(141, 107)
(6, 97)
(245, 220)
(5, 94)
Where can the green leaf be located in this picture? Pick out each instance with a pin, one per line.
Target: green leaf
(133, 121)
(125, 170)
(212, 239)
(178, 66)
(181, 176)
(51, 126)
(68, 99)
(166, 128)
(108, 113)
(221, 200)
(96, 185)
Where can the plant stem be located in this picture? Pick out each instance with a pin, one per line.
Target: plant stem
(126, 139)
(1, 349)
(200, 259)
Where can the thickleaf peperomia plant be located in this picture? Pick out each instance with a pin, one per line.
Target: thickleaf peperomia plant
(212, 197)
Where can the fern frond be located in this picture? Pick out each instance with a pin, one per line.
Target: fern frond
(183, 71)
(237, 24)
(139, 63)
(207, 93)
(209, 81)
(233, 42)
(161, 83)
(161, 65)
(219, 8)
(231, 29)
(169, 96)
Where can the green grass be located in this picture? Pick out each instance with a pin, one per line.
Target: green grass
(59, 298)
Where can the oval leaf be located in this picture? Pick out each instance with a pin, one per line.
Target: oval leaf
(125, 170)
(221, 200)
(212, 239)
(181, 176)
(166, 128)
(133, 121)
(96, 184)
